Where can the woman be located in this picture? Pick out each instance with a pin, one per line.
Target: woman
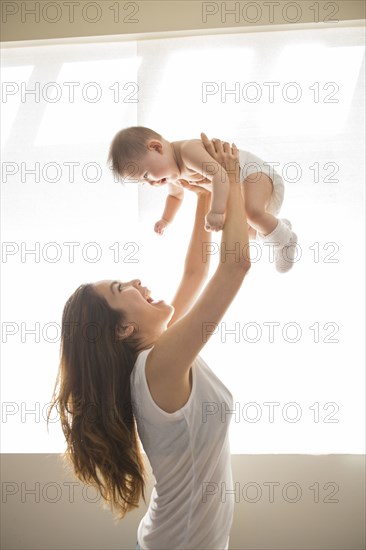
(127, 362)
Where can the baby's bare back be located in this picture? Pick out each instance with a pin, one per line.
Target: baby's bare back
(192, 176)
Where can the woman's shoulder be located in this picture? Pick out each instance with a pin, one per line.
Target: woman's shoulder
(168, 393)
(141, 355)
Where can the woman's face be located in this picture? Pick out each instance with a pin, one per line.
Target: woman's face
(136, 306)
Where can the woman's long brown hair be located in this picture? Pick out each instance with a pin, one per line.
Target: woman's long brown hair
(93, 398)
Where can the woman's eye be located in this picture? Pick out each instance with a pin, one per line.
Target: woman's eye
(120, 287)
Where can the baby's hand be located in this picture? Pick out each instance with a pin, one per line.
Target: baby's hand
(160, 226)
(214, 221)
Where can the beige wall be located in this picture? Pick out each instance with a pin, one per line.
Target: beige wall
(327, 512)
(56, 20)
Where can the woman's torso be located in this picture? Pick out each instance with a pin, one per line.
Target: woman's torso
(189, 454)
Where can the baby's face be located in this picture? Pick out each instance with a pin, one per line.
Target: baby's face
(158, 167)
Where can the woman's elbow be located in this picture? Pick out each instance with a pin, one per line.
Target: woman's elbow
(246, 265)
(242, 268)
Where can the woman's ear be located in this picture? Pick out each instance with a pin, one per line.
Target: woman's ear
(125, 331)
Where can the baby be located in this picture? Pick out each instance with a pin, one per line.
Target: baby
(141, 154)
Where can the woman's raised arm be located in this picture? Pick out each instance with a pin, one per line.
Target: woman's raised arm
(195, 267)
(176, 349)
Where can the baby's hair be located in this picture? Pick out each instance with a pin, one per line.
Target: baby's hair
(129, 146)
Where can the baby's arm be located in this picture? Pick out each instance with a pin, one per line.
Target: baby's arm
(220, 191)
(197, 158)
(172, 205)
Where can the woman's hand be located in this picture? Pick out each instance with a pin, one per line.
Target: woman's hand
(195, 188)
(225, 155)
(228, 158)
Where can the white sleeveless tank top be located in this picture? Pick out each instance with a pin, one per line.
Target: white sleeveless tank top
(192, 502)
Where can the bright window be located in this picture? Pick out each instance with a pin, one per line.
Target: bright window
(290, 348)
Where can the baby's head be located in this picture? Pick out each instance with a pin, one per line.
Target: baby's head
(138, 153)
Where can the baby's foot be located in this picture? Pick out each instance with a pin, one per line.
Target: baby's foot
(285, 256)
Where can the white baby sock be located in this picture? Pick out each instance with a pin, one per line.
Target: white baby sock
(284, 242)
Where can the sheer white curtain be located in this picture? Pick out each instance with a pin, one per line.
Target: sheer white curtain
(290, 347)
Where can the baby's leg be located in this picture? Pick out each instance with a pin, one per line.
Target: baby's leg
(258, 190)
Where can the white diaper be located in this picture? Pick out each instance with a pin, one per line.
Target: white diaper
(251, 164)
